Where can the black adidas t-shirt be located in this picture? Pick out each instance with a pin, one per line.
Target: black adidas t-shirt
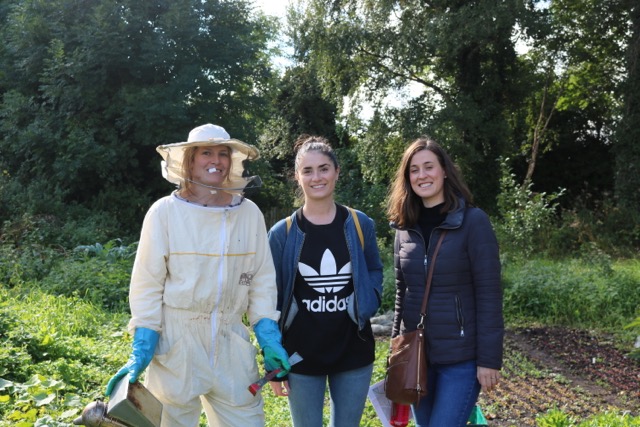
(322, 331)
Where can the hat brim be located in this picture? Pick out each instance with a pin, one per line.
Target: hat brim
(173, 155)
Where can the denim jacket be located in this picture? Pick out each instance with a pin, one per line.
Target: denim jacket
(286, 247)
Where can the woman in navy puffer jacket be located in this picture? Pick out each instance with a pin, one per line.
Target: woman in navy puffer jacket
(464, 325)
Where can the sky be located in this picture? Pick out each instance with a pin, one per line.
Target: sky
(273, 7)
(277, 8)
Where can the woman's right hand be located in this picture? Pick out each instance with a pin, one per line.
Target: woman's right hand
(280, 388)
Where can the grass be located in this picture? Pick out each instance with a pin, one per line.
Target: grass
(59, 348)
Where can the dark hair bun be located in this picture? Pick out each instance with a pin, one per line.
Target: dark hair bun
(300, 141)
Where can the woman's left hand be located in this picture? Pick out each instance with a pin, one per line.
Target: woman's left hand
(280, 388)
(488, 378)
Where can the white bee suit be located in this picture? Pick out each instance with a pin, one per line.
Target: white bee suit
(197, 271)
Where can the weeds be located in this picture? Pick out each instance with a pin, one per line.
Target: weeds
(63, 316)
(572, 293)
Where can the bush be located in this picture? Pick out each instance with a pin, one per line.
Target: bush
(526, 218)
(388, 281)
(572, 293)
(602, 224)
(98, 274)
(94, 280)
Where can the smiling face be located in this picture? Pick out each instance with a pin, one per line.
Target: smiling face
(317, 175)
(211, 164)
(426, 176)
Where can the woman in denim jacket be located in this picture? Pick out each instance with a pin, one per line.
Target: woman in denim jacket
(329, 278)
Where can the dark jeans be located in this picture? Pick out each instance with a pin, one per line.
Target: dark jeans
(452, 391)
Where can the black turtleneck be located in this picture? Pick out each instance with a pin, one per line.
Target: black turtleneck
(429, 219)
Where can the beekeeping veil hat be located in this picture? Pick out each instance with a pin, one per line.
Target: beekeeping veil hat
(206, 136)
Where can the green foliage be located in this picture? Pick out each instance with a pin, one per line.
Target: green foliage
(89, 92)
(572, 292)
(100, 275)
(57, 353)
(627, 180)
(461, 56)
(30, 398)
(23, 264)
(525, 217)
(380, 149)
(388, 279)
(57, 350)
(58, 335)
(612, 228)
(556, 418)
(349, 192)
(111, 252)
(63, 227)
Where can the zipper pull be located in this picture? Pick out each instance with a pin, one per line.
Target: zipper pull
(461, 331)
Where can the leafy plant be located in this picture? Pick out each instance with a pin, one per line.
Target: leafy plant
(31, 400)
(524, 215)
(555, 418)
(111, 251)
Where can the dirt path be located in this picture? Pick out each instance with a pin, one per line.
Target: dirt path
(575, 371)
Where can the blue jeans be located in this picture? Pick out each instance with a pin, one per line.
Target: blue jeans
(452, 391)
(348, 391)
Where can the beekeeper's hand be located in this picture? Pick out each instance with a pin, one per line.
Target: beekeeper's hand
(143, 348)
(269, 339)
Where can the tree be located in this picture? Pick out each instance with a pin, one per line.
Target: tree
(461, 53)
(627, 181)
(577, 67)
(91, 87)
(298, 107)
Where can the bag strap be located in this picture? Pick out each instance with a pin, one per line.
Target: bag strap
(289, 220)
(358, 229)
(423, 309)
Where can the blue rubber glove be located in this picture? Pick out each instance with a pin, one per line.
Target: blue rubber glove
(143, 348)
(269, 339)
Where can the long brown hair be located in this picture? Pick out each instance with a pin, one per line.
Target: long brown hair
(403, 207)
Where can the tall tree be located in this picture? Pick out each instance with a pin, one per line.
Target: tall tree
(460, 53)
(92, 86)
(628, 133)
(298, 107)
(576, 98)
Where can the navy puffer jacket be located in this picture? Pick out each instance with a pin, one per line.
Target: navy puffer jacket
(464, 311)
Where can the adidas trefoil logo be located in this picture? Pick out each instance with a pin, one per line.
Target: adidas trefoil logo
(328, 281)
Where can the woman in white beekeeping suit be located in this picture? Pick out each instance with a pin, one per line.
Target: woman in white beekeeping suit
(203, 262)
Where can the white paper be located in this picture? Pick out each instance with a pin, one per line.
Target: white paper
(380, 403)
